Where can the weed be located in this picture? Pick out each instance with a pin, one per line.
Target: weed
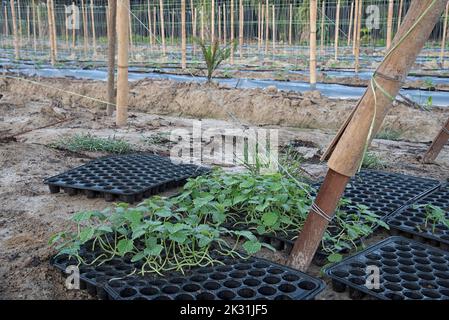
(389, 134)
(158, 138)
(372, 161)
(88, 142)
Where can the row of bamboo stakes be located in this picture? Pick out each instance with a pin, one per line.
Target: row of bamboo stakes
(264, 19)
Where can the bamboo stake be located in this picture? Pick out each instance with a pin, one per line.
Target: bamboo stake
(313, 16)
(219, 24)
(359, 29)
(184, 35)
(232, 31)
(28, 24)
(74, 28)
(355, 26)
(262, 25)
(337, 29)
(267, 26)
(66, 28)
(154, 24)
(122, 63)
(130, 35)
(351, 15)
(290, 26)
(19, 16)
(443, 41)
(202, 23)
(161, 8)
(258, 27)
(14, 30)
(51, 33)
(437, 145)
(39, 22)
(112, 26)
(348, 147)
(390, 23)
(212, 21)
(92, 18)
(173, 27)
(225, 26)
(241, 18)
(83, 11)
(323, 15)
(6, 22)
(55, 39)
(194, 26)
(401, 4)
(150, 27)
(274, 27)
(34, 25)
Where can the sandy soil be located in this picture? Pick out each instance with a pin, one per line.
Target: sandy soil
(29, 214)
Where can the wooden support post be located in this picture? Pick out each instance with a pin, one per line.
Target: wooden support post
(351, 15)
(262, 26)
(161, 12)
(225, 26)
(19, 16)
(74, 21)
(443, 41)
(337, 29)
(437, 144)
(401, 6)
(267, 26)
(6, 22)
(183, 35)
(313, 15)
(14, 30)
(86, 44)
(355, 26)
(322, 32)
(150, 27)
(55, 37)
(212, 21)
(130, 34)
(92, 18)
(112, 26)
(241, 21)
(347, 149)
(259, 9)
(34, 25)
(219, 25)
(66, 18)
(390, 23)
(358, 34)
(51, 33)
(122, 62)
(274, 27)
(232, 31)
(290, 25)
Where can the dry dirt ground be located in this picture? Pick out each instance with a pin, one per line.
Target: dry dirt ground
(29, 214)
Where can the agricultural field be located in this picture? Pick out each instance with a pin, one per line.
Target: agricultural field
(224, 150)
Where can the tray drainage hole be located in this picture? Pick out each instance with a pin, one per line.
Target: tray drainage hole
(388, 249)
(157, 283)
(290, 277)
(390, 263)
(424, 268)
(170, 289)
(242, 267)
(184, 297)
(413, 295)
(307, 285)
(357, 272)
(217, 276)
(127, 292)
(411, 286)
(357, 265)
(283, 297)
(211, 285)
(373, 256)
(442, 275)
(443, 283)
(403, 248)
(238, 274)
(426, 276)
(257, 273)
(205, 296)
(246, 293)
(137, 283)
(393, 279)
(275, 271)
(260, 265)
(431, 294)
(445, 292)
(231, 284)
(405, 262)
(390, 256)
(251, 282)
(340, 274)
(271, 280)
(405, 255)
(149, 291)
(198, 278)
(409, 277)
(393, 287)
(191, 287)
(267, 291)
(357, 281)
(209, 270)
(437, 260)
(163, 298)
(116, 284)
(287, 288)
(394, 296)
(177, 280)
(226, 295)
(224, 269)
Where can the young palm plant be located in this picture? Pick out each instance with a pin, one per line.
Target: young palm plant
(214, 55)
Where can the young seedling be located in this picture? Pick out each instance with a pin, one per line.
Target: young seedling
(214, 55)
(435, 216)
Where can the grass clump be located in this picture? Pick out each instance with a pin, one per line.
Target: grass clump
(389, 134)
(372, 161)
(88, 142)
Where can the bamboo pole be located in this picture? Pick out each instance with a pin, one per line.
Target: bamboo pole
(66, 28)
(28, 24)
(241, 20)
(39, 22)
(83, 11)
(437, 144)
(355, 26)
(443, 41)
(401, 5)
(184, 35)
(259, 9)
(19, 16)
(232, 31)
(323, 17)
(290, 25)
(390, 23)
(194, 27)
(351, 15)
(219, 24)
(202, 23)
(262, 26)
(313, 16)
(34, 25)
(173, 27)
(274, 27)
(6, 22)
(150, 27)
(112, 39)
(225, 26)
(14, 30)
(50, 32)
(154, 24)
(130, 34)
(337, 29)
(55, 38)
(359, 30)
(122, 62)
(74, 29)
(161, 12)
(212, 21)
(347, 149)
(92, 18)
(267, 26)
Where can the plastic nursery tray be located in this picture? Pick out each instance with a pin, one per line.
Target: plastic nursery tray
(409, 270)
(235, 279)
(411, 222)
(127, 178)
(382, 192)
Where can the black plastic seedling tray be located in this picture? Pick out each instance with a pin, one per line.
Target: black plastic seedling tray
(409, 270)
(233, 279)
(410, 221)
(127, 178)
(382, 192)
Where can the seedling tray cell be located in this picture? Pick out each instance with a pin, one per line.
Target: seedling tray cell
(411, 221)
(408, 270)
(127, 178)
(233, 279)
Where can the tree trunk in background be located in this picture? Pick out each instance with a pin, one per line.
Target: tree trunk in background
(290, 26)
(274, 28)
(34, 25)
(401, 5)
(112, 31)
(267, 26)
(150, 25)
(355, 26)
(313, 16)
(122, 63)
(225, 26)
(212, 21)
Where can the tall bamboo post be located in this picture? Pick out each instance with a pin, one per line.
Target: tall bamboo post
(6, 22)
(273, 9)
(14, 30)
(28, 24)
(351, 14)
(122, 62)
(202, 23)
(212, 21)
(150, 27)
(112, 29)
(19, 16)
(55, 38)
(74, 28)
(323, 17)
(259, 9)
(401, 5)
(194, 27)
(161, 8)
(92, 18)
(232, 31)
(347, 149)
(355, 25)
(359, 31)
(241, 18)
(66, 28)
(390, 23)
(267, 26)
(219, 24)
(225, 25)
(262, 25)
(290, 25)
(443, 41)
(337, 29)
(85, 35)
(313, 15)
(173, 27)
(183, 35)
(50, 32)
(154, 24)
(130, 34)
(34, 25)
(39, 21)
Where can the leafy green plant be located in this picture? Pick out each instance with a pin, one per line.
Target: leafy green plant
(214, 55)
(389, 134)
(434, 216)
(88, 142)
(372, 161)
